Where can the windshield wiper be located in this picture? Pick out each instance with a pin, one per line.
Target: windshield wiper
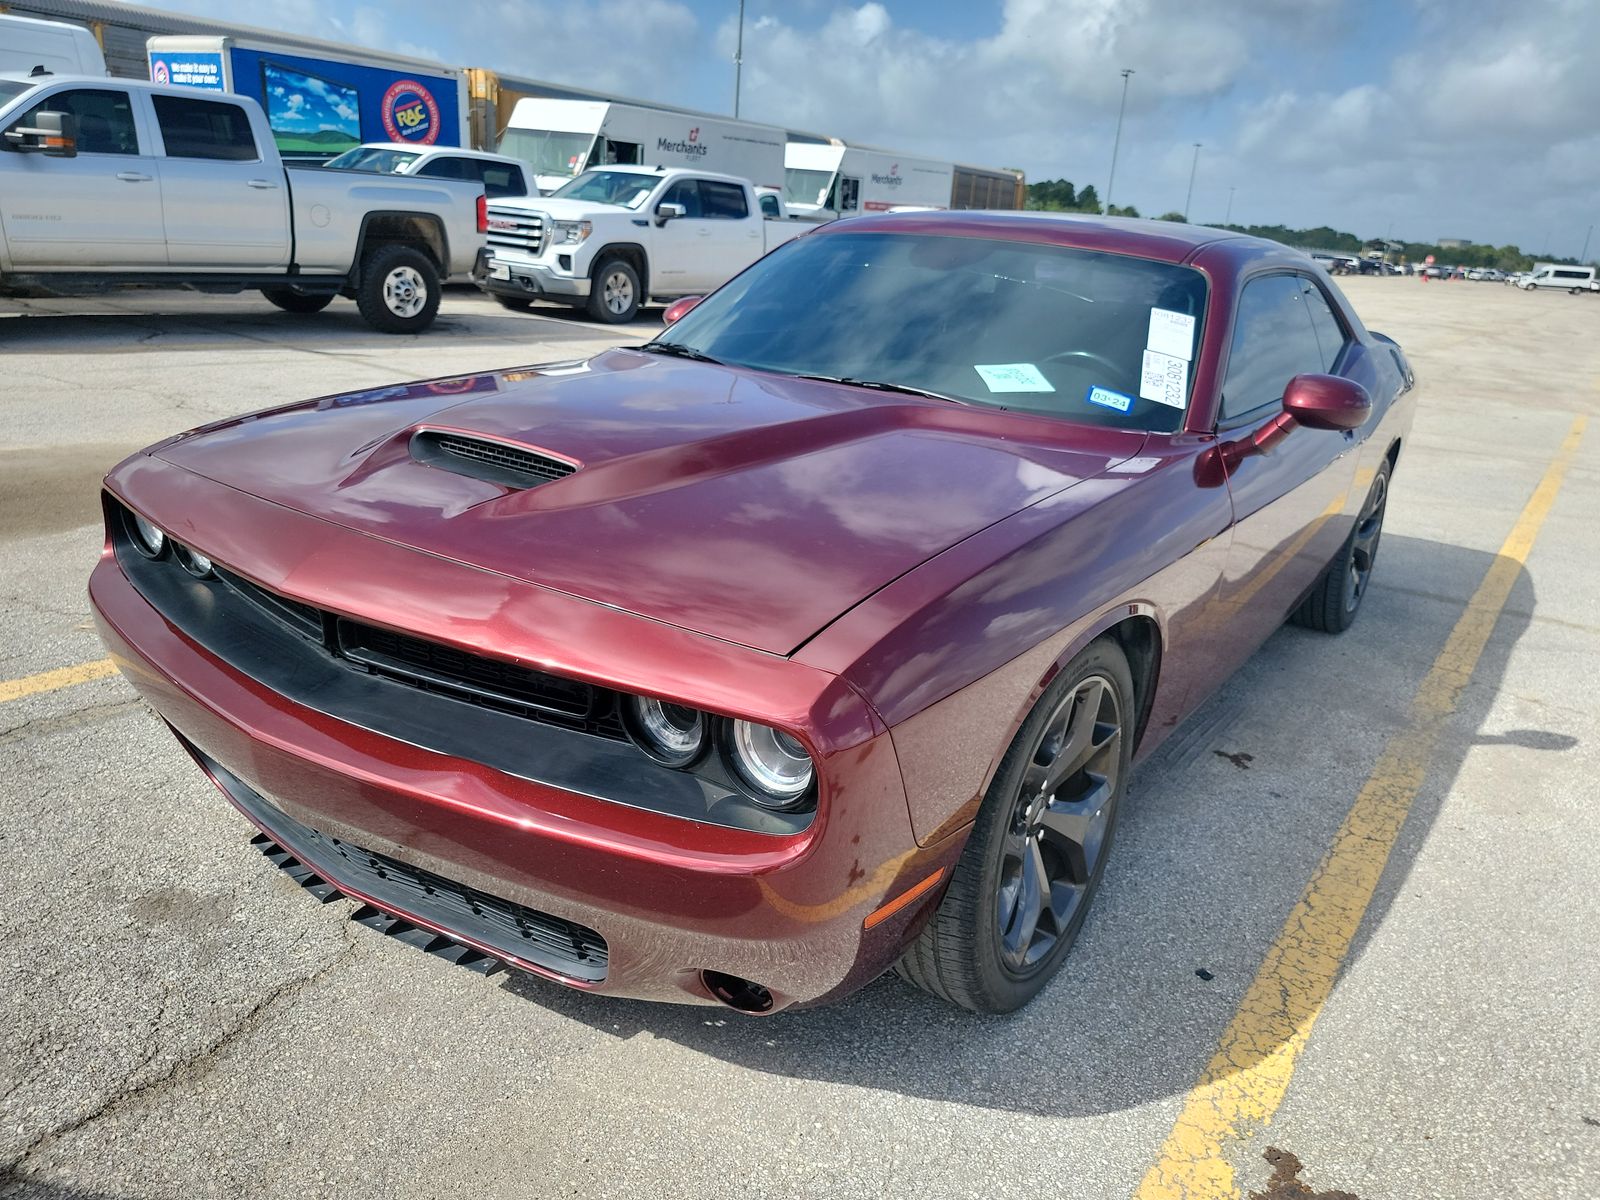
(878, 385)
(678, 350)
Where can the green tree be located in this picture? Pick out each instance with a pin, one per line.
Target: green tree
(1088, 200)
(1172, 216)
(1122, 210)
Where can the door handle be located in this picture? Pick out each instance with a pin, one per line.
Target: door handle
(262, 183)
(132, 177)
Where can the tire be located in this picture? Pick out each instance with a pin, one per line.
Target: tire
(1336, 597)
(290, 300)
(616, 293)
(399, 290)
(512, 303)
(977, 950)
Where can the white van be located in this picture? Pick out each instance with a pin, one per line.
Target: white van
(827, 180)
(561, 139)
(1573, 279)
(27, 45)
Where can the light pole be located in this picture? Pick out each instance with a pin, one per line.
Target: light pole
(1117, 142)
(1585, 251)
(1189, 195)
(738, 60)
(1228, 220)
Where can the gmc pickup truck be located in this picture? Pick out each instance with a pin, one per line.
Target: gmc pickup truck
(108, 183)
(616, 236)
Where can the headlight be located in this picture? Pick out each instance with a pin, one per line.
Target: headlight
(776, 767)
(672, 734)
(193, 561)
(147, 538)
(570, 233)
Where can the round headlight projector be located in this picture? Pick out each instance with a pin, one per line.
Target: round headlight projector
(672, 734)
(774, 764)
(147, 537)
(194, 562)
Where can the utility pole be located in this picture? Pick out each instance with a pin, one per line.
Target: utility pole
(1584, 254)
(1117, 142)
(1228, 220)
(1188, 198)
(738, 61)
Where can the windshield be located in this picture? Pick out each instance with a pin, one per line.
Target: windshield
(806, 187)
(10, 89)
(1076, 334)
(627, 189)
(373, 158)
(549, 151)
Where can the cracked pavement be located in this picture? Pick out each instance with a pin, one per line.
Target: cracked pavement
(178, 1018)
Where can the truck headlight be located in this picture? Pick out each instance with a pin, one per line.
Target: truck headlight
(571, 233)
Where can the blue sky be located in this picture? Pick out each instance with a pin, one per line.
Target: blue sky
(1427, 118)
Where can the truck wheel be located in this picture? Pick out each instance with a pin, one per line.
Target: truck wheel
(399, 290)
(294, 301)
(615, 297)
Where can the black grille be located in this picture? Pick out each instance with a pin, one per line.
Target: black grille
(301, 617)
(316, 860)
(481, 458)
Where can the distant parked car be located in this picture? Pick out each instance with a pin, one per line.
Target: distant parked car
(499, 174)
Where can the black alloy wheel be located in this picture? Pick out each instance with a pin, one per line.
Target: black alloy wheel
(1020, 891)
(1336, 597)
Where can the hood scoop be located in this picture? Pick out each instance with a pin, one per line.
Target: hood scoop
(493, 461)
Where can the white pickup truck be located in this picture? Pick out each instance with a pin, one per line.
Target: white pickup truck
(616, 236)
(108, 183)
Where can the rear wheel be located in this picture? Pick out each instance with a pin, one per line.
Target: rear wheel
(1024, 883)
(292, 300)
(615, 295)
(1334, 601)
(399, 290)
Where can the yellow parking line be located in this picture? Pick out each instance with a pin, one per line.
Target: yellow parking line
(49, 681)
(1245, 1081)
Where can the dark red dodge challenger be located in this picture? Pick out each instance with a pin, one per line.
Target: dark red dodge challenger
(815, 637)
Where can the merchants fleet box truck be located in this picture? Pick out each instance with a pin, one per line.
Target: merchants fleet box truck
(832, 179)
(563, 138)
(318, 107)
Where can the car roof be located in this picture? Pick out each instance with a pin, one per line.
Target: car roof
(412, 148)
(1166, 241)
(663, 172)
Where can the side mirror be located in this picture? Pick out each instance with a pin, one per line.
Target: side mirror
(679, 309)
(1327, 402)
(55, 135)
(667, 211)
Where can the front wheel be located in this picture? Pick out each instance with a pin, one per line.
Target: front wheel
(1337, 595)
(291, 300)
(399, 290)
(1024, 883)
(616, 294)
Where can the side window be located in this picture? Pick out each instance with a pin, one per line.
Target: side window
(769, 206)
(1273, 341)
(500, 179)
(448, 168)
(687, 193)
(104, 119)
(204, 129)
(1330, 334)
(723, 200)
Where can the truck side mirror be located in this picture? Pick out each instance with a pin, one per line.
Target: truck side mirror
(54, 134)
(667, 211)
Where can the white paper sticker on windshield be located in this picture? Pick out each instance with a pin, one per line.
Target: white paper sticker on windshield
(1163, 378)
(1171, 333)
(1013, 377)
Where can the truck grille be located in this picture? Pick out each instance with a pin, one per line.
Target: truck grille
(512, 229)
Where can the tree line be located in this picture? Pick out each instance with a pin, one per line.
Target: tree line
(1058, 195)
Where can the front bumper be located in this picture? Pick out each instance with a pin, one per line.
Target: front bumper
(667, 897)
(511, 277)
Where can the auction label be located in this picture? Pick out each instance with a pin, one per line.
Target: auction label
(1163, 378)
(1171, 333)
(1013, 377)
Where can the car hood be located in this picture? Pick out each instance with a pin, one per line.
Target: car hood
(746, 506)
(561, 209)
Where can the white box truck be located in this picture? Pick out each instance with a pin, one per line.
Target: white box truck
(561, 139)
(827, 180)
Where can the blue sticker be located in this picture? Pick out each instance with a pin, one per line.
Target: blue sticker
(1106, 398)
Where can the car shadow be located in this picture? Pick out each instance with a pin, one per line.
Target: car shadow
(1218, 840)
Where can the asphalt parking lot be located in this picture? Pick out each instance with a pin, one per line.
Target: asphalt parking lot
(1415, 799)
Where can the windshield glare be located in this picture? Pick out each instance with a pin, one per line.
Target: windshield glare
(628, 189)
(549, 151)
(1016, 325)
(373, 158)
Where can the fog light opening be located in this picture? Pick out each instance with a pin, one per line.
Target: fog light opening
(737, 993)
